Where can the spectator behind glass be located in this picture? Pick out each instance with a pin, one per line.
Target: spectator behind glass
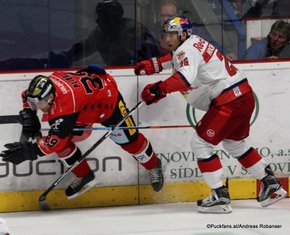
(119, 40)
(271, 46)
(268, 8)
(238, 7)
(169, 9)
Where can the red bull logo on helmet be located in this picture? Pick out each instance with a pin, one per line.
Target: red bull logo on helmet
(175, 22)
(178, 24)
(179, 20)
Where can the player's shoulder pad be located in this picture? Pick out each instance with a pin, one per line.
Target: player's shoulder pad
(95, 68)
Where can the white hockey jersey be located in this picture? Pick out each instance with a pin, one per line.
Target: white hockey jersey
(205, 69)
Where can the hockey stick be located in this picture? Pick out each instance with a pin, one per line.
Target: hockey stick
(133, 127)
(126, 127)
(42, 199)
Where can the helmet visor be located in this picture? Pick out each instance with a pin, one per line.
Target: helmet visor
(36, 104)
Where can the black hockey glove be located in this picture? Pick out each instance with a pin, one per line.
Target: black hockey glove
(19, 152)
(30, 123)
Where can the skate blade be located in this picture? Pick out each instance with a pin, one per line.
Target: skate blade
(158, 189)
(86, 188)
(219, 209)
(277, 196)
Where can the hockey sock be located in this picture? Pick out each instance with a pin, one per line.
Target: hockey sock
(253, 162)
(72, 154)
(211, 170)
(142, 150)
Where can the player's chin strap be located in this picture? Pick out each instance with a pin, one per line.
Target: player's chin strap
(42, 199)
(181, 42)
(51, 99)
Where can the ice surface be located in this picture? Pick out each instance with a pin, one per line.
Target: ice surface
(158, 219)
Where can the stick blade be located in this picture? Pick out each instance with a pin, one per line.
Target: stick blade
(43, 205)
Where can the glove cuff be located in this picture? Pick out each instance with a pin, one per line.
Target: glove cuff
(156, 65)
(161, 88)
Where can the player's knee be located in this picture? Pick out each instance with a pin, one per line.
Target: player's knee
(236, 148)
(201, 148)
(120, 137)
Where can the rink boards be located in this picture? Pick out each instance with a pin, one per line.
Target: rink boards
(121, 180)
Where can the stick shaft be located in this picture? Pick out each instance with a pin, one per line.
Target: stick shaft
(128, 127)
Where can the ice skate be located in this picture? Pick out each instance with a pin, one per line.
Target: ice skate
(217, 203)
(271, 190)
(80, 185)
(156, 177)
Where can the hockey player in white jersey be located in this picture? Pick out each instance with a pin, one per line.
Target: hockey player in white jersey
(216, 86)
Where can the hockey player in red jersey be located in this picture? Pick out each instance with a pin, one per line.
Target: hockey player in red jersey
(214, 85)
(78, 100)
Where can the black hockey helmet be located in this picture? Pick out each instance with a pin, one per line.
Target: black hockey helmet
(39, 88)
